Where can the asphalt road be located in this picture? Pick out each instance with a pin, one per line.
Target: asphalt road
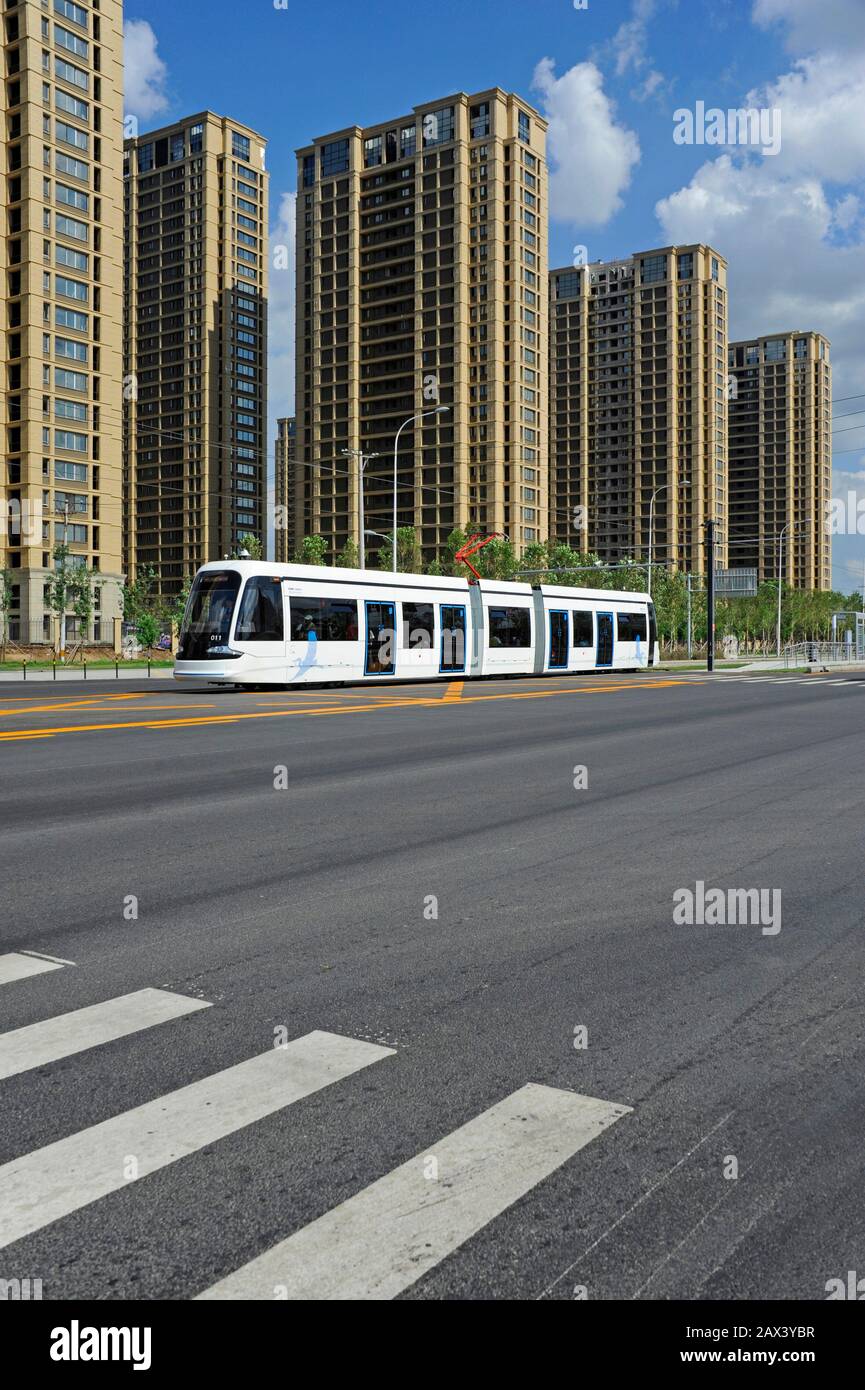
(426, 880)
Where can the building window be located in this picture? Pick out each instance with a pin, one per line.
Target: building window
(480, 120)
(686, 266)
(71, 42)
(334, 158)
(70, 226)
(178, 147)
(308, 170)
(71, 11)
(524, 127)
(653, 268)
(73, 106)
(67, 72)
(68, 439)
(196, 138)
(407, 141)
(240, 147)
(716, 268)
(438, 126)
(568, 285)
(372, 151)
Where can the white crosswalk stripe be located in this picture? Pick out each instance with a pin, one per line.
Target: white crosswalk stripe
(54, 1181)
(41, 1043)
(20, 966)
(381, 1241)
(372, 1246)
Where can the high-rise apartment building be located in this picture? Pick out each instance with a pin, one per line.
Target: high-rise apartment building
(195, 344)
(638, 409)
(781, 457)
(284, 490)
(60, 326)
(422, 281)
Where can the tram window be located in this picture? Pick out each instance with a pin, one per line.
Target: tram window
(418, 625)
(510, 627)
(583, 629)
(631, 626)
(325, 619)
(260, 615)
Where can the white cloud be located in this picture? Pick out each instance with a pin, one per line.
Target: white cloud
(145, 74)
(784, 271)
(591, 154)
(652, 83)
(791, 227)
(631, 38)
(822, 101)
(815, 24)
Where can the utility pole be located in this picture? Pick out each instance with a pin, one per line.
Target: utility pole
(710, 594)
(65, 552)
(363, 460)
(690, 642)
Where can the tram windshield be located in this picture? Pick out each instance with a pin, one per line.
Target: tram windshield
(207, 621)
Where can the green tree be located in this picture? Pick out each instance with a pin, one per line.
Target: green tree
(81, 598)
(6, 581)
(497, 560)
(536, 556)
(349, 557)
(138, 596)
(250, 543)
(447, 559)
(311, 551)
(57, 590)
(146, 630)
(408, 555)
(172, 609)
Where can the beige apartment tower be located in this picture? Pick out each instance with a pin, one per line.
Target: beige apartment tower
(422, 282)
(781, 458)
(284, 489)
(195, 345)
(638, 406)
(60, 341)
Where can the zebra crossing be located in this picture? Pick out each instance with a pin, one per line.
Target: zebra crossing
(376, 1243)
(813, 682)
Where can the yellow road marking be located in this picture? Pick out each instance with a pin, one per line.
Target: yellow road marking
(454, 691)
(89, 707)
(14, 735)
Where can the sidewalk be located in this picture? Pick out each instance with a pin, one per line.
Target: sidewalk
(74, 674)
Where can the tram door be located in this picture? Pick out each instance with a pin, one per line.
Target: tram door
(604, 655)
(453, 628)
(558, 639)
(380, 639)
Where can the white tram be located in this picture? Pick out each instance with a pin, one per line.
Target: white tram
(253, 623)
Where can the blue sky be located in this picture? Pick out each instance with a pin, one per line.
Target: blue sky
(610, 76)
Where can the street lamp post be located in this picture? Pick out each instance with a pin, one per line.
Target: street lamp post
(439, 410)
(656, 493)
(803, 522)
(780, 554)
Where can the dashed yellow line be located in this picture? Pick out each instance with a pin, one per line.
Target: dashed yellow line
(454, 691)
(413, 702)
